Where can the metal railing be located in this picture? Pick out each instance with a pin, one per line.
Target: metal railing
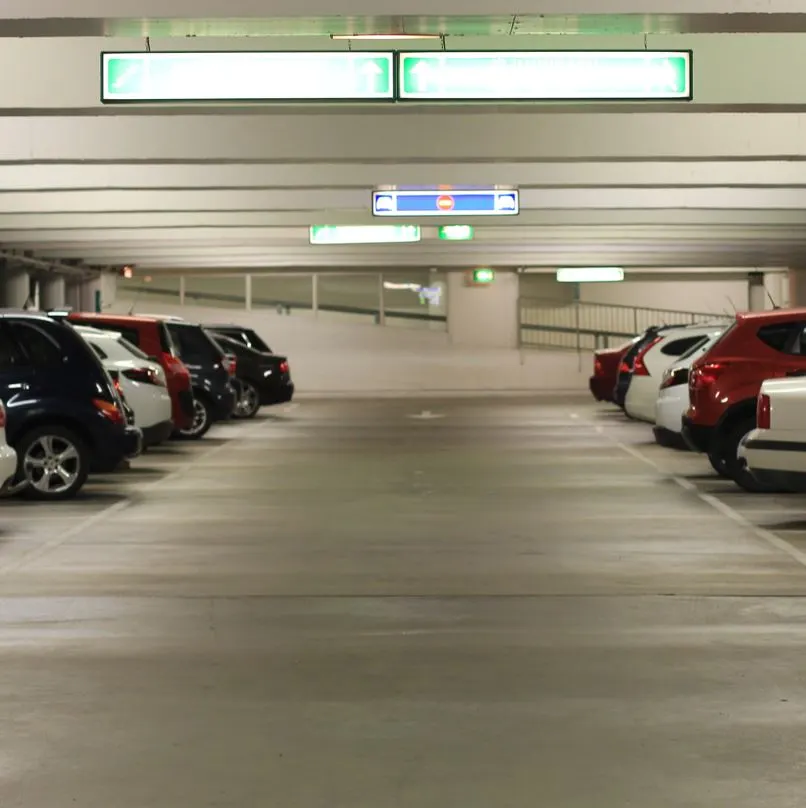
(581, 326)
(286, 306)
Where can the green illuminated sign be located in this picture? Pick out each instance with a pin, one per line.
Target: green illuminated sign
(247, 76)
(364, 234)
(545, 75)
(483, 276)
(456, 232)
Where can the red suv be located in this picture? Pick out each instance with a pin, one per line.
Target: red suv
(151, 336)
(724, 384)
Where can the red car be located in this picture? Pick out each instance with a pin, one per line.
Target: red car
(151, 336)
(724, 384)
(606, 363)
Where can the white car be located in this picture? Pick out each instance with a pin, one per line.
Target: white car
(141, 381)
(654, 359)
(8, 457)
(774, 453)
(673, 398)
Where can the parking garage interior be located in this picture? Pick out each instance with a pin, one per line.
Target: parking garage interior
(441, 573)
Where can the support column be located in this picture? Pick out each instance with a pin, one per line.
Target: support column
(182, 287)
(483, 316)
(797, 287)
(16, 286)
(381, 301)
(247, 279)
(52, 292)
(98, 293)
(756, 291)
(315, 294)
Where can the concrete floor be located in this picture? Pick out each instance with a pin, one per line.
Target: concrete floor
(522, 604)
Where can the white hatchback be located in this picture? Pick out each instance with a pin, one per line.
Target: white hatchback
(672, 398)
(654, 359)
(8, 457)
(141, 381)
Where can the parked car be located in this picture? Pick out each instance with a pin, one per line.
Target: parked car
(672, 401)
(625, 370)
(64, 417)
(142, 382)
(606, 363)
(212, 372)
(774, 453)
(8, 457)
(653, 359)
(725, 383)
(248, 336)
(265, 378)
(152, 337)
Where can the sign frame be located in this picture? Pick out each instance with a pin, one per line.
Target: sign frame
(447, 213)
(347, 56)
(403, 98)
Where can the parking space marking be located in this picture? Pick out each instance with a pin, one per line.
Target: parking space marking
(85, 524)
(737, 518)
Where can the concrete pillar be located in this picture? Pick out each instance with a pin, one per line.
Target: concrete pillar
(756, 292)
(16, 286)
(483, 316)
(97, 293)
(52, 292)
(797, 287)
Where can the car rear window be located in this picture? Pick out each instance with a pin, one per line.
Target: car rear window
(133, 349)
(678, 347)
(167, 342)
(780, 336)
(193, 342)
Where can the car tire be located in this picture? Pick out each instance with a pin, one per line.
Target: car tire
(202, 421)
(59, 450)
(718, 461)
(736, 470)
(248, 404)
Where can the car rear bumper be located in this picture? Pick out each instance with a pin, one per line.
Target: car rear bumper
(222, 403)
(621, 388)
(8, 465)
(777, 480)
(277, 394)
(157, 433)
(696, 436)
(118, 445)
(601, 389)
(182, 408)
(668, 437)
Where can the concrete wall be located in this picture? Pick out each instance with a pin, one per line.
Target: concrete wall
(483, 315)
(331, 357)
(706, 292)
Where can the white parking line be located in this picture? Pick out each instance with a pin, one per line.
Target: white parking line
(765, 535)
(108, 512)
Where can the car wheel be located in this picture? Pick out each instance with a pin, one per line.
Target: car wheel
(248, 403)
(202, 421)
(737, 470)
(718, 461)
(52, 463)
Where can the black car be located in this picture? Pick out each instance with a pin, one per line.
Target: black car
(246, 336)
(211, 375)
(265, 378)
(64, 417)
(625, 371)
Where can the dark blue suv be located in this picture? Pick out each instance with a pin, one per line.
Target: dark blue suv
(64, 417)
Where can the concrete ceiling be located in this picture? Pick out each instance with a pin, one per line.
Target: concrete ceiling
(720, 182)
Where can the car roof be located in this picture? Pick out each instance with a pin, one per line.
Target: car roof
(773, 315)
(131, 319)
(101, 333)
(34, 315)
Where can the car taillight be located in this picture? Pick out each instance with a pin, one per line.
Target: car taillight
(706, 375)
(143, 375)
(674, 378)
(2, 416)
(230, 364)
(625, 367)
(764, 412)
(597, 367)
(284, 367)
(639, 367)
(109, 410)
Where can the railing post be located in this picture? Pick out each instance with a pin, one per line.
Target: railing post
(576, 322)
(315, 294)
(247, 292)
(635, 320)
(181, 290)
(381, 320)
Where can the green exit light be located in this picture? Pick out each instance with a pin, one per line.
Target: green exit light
(368, 234)
(483, 275)
(456, 232)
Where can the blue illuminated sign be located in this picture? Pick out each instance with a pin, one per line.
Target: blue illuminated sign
(487, 202)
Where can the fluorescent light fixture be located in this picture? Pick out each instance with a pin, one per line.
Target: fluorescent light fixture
(384, 37)
(590, 274)
(364, 234)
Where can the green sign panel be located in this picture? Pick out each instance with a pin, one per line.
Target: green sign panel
(456, 232)
(483, 276)
(545, 76)
(246, 76)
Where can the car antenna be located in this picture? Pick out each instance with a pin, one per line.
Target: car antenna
(732, 304)
(775, 306)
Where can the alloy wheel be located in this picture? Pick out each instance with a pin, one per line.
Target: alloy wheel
(249, 402)
(51, 464)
